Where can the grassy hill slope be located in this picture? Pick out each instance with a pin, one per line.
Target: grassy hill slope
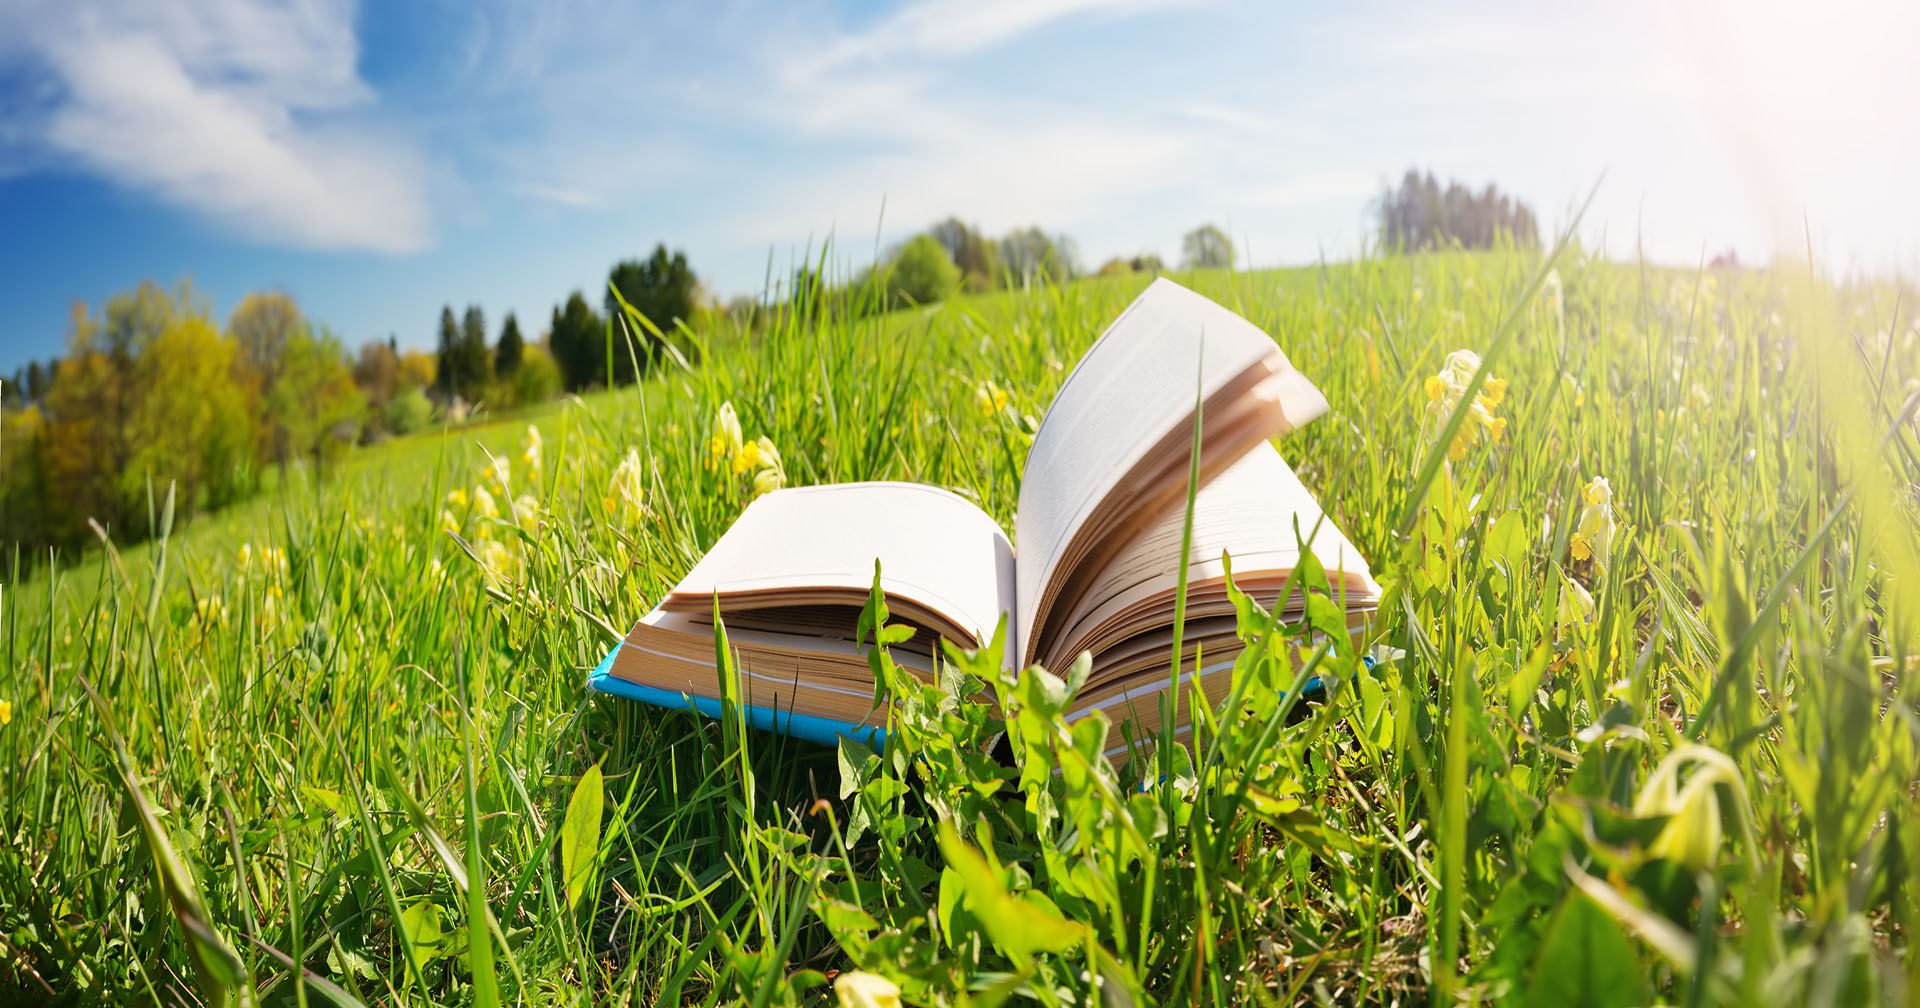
(1672, 759)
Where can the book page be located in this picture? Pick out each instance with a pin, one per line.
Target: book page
(1113, 449)
(812, 546)
(1250, 513)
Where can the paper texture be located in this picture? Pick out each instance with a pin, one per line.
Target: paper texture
(1126, 412)
(818, 544)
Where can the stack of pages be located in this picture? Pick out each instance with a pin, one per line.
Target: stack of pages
(1093, 565)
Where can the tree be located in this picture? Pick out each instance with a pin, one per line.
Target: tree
(511, 348)
(36, 389)
(476, 361)
(974, 253)
(377, 372)
(418, 369)
(190, 426)
(921, 272)
(663, 289)
(1420, 215)
(1030, 255)
(24, 505)
(448, 369)
(1207, 247)
(319, 407)
(260, 327)
(577, 337)
(90, 405)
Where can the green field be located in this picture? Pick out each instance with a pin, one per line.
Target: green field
(1657, 746)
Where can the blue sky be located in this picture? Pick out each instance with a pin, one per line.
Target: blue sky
(381, 159)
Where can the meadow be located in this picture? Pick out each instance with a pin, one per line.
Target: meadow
(1641, 724)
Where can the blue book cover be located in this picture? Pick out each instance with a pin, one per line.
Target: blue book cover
(802, 726)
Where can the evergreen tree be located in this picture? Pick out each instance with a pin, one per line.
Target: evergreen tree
(448, 371)
(508, 353)
(476, 361)
(577, 336)
(663, 289)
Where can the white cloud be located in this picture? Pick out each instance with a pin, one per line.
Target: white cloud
(945, 28)
(238, 110)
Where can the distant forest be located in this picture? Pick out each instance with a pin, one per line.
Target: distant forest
(152, 391)
(1419, 215)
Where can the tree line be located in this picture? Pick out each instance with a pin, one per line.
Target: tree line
(1419, 215)
(152, 391)
(953, 256)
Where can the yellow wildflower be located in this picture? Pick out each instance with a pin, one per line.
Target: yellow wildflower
(1692, 835)
(857, 989)
(1493, 390)
(526, 513)
(448, 522)
(209, 610)
(457, 499)
(483, 503)
(724, 445)
(773, 474)
(501, 561)
(1593, 537)
(1444, 392)
(628, 486)
(530, 456)
(1576, 604)
(747, 458)
(990, 398)
(6, 713)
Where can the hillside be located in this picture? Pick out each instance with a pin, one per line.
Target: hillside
(1647, 683)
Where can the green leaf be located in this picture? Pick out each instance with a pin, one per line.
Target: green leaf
(1017, 927)
(580, 834)
(332, 801)
(1586, 961)
(426, 938)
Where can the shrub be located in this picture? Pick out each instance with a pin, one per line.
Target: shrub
(538, 378)
(409, 411)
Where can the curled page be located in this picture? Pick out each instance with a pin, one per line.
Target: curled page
(1113, 449)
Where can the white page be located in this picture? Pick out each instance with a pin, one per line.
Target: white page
(935, 548)
(1134, 387)
(1248, 512)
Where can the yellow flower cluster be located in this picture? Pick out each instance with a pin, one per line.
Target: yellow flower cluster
(728, 447)
(209, 610)
(990, 399)
(626, 492)
(1444, 392)
(6, 713)
(266, 561)
(1593, 537)
(532, 454)
(477, 512)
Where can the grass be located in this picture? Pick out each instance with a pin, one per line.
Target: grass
(322, 751)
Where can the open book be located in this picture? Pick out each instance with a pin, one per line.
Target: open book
(1093, 564)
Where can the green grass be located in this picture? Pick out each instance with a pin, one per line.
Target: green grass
(367, 749)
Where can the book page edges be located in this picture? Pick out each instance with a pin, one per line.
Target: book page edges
(824, 731)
